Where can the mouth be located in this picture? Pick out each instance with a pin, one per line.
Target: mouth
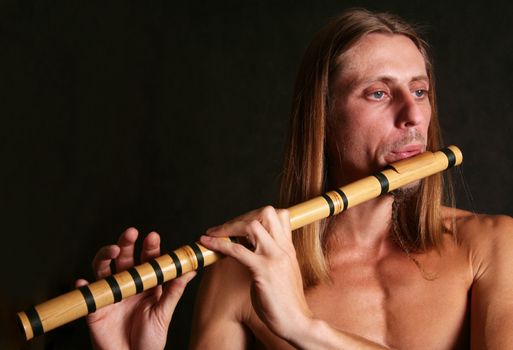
(403, 153)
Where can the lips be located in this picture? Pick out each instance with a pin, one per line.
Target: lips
(403, 153)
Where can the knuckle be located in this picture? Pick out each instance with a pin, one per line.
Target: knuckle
(283, 214)
(254, 225)
(268, 210)
(238, 249)
(226, 226)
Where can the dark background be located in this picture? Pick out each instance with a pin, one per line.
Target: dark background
(171, 116)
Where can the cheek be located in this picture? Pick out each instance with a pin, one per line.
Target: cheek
(354, 118)
(352, 141)
(365, 127)
(427, 119)
(356, 127)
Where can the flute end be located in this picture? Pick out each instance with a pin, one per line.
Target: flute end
(24, 327)
(458, 155)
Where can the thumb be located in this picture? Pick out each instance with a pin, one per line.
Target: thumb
(171, 294)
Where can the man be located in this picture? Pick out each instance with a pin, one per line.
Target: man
(399, 271)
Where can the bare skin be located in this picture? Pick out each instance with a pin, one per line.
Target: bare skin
(379, 294)
(378, 298)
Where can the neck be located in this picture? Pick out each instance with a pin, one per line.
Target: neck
(366, 226)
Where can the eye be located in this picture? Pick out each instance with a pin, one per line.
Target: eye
(377, 95)
(420, 93)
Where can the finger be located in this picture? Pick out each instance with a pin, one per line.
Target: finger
(267, 215)
(285, 238)
(252, 215)
(253, 231)
(173, 291)
(237, 251)
(81, 282)
(284, 221)
(151, 247)
(150, 250)
(284, 216)
(272, 223)
(102, 259)
(126, 244)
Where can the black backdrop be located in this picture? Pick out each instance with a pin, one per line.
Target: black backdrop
(170, 116)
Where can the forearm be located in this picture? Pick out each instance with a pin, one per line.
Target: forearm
(317, 334)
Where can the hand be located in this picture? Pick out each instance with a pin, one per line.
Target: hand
(277, 289)
(140, 321)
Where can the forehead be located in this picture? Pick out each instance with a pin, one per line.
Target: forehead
(378, 54)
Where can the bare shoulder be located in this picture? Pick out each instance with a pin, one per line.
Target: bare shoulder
(474, 228)
(486, 237)
(221, 307)
(487, 241)
(225, 285)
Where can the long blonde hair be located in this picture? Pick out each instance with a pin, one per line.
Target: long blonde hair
(305, 169)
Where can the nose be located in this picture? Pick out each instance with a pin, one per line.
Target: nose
(409, 113)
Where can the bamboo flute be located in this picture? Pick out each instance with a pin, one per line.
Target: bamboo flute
(63, 309)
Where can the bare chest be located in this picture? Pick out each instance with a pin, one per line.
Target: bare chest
(392, 302)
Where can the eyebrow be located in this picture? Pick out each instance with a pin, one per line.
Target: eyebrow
(384, 78)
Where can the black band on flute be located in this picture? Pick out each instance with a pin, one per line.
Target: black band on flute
(343, 196)
(178, 264)
(114, 287)
(330, 203)
(35, 321)
(383, 181)
(158, 271)
(88, 297)
(137, 280)
(199, 255)
(451, 157)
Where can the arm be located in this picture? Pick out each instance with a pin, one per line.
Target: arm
(277, 294)
(492, 291)
(318, 334)
(219, 309)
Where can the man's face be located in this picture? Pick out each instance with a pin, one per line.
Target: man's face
(380, 108)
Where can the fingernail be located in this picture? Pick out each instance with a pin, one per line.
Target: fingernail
(205, 238)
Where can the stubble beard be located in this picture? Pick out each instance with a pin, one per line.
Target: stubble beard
(405, 193)
(402, 198)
